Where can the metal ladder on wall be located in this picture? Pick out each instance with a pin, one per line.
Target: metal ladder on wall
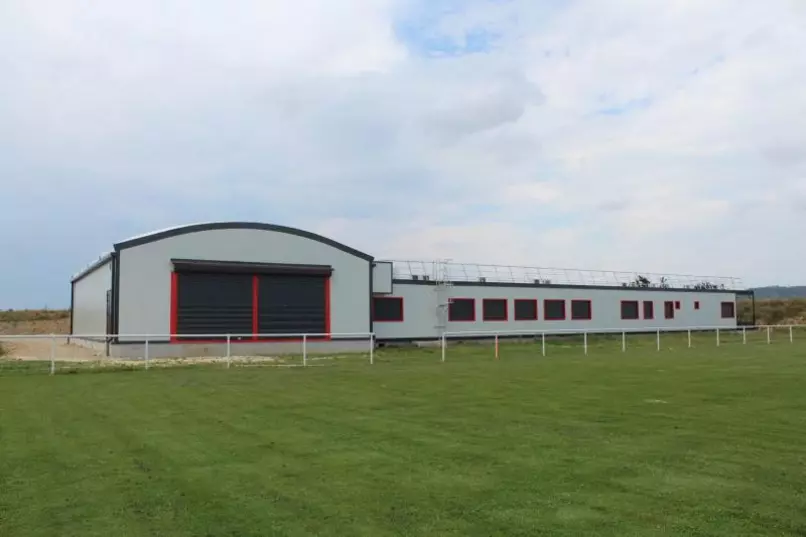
(442, 285)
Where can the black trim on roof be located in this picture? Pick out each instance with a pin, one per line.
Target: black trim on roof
(195, 228)
(245, 267)
(92, 268)
(568, 286)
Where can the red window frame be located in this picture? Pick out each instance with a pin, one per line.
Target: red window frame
(696, 304)
(677, 304)
(402, 310)
(590, 309)
(515, 310)
(637, 310)
(506, 310)
(545, 309)
(454, 299)
(651, 304)
(174, 321)
(667, 309)
(732, 307)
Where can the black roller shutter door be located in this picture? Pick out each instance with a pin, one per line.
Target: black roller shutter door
(292, 304)
(214, 304)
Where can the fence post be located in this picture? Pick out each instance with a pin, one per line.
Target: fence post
(744, 335)
(658, 339)
(304, 350)
(496, 346)
(543, 338)
(229, 350)
(371, 349)
(444, 346)
(791, 335)
(717, 337)
(624, 341)
(146, 352)
(689, 338)
(768, 335)
(585, 341)
(52, 354)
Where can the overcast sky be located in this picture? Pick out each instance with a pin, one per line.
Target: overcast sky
(665, 136)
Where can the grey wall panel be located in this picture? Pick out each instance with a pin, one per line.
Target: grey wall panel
(89, 301)
(382, 277)
(145, 274)
(420, 301)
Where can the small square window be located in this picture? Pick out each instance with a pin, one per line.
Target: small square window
(581, 310)
(696, 304)
(494, 309)
(462, 309)
(629, 310)
(554, 310)
(728, 310)
(525, 309)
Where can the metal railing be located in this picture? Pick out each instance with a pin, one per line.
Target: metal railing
(474, 272)
(497, 335)
(87, 342)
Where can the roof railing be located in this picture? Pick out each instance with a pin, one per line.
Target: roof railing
(475, 272)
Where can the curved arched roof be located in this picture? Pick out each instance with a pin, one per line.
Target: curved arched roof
(195, 228)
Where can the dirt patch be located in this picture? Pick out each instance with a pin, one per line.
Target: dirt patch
(33, 327)
(41, 349)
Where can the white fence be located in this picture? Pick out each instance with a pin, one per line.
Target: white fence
(658, 333)
(146, 348)
(300, 349)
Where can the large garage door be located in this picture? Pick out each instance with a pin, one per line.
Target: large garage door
(212, 304)
(247, 299)
(291, 304)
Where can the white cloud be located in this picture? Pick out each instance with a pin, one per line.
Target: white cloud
(625, 135)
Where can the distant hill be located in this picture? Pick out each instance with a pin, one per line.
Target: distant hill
(775, 291)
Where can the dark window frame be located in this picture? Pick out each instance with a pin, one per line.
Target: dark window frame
(522, 301)
(587, 301)
(453, 300)
(651, 308)
(394, 298)
(732, 310)
(696, 304)
(485, 301)
(546, 309)
(637, 310)
(668, 309)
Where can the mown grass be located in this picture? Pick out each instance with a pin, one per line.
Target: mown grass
(700, 441)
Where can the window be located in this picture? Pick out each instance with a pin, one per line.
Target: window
(525, 309)
(649, 309)
(668, 309)
(554, 310)
(629, 310)
(677, 304)
(728, 310)
(494, 309)
(462, 309)
(581, 310)
(696, 304)
(387, 309)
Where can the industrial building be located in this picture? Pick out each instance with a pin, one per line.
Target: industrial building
(187, 290)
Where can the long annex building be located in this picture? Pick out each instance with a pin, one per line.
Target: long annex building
(187, 290)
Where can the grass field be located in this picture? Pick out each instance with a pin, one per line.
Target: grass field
(702, 441)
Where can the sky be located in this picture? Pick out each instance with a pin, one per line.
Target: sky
(655, 136)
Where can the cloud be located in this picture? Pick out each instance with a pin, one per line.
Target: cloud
(632, 135)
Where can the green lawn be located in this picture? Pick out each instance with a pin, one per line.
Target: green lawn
(702, 441)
